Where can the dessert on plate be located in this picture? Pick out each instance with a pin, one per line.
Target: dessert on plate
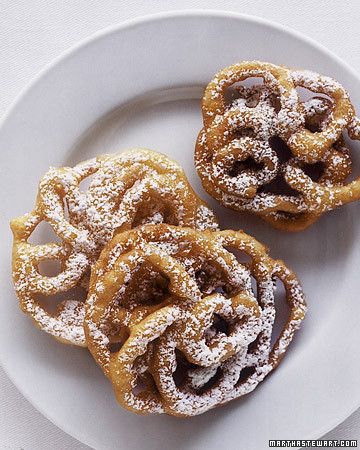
(127, 189)
(180, 314)
(175, 323)
(264, 150)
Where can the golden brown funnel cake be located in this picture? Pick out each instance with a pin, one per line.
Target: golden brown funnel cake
(127, 189)
(174, 322)
(269, 153)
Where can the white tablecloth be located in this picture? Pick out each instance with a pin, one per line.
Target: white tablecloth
(33, 32)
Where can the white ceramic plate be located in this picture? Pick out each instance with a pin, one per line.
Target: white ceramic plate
(140, 84)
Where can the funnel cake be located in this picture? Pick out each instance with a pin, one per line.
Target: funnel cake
(127, 189)
(269, 153)
(174, 322)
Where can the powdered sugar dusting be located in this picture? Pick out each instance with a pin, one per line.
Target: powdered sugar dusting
(183, 335)
(127, 189)
(236, 154)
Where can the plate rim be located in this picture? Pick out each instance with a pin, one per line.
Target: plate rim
(134, 22)
(138, 22)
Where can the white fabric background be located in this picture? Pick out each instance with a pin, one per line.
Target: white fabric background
(33, 32)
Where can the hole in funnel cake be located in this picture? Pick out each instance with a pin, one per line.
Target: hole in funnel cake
(117, 335)
(149, 213)
(283, 152)
(143, 382)
(243, 132)
(139, 387)
(254, 288)
(248, 164)
(114, 347)
(209, 279)
(200, 378)
(278, 185)
(314, 171)
(49, 267)
(43, 234)
(182, 367)
(314, 124)
(219, 325)
(241, 257)
(306, 94)
(51, 302)
(282, 309)
(276, 102)
(201, 278)
(254, 344)
(211, 382)
(252, 93)
(245, 374)
(66, 209)
(168, 216)
(238, 92)
(208, 284)
(220, 290)
(317, 113)
(85, 183)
